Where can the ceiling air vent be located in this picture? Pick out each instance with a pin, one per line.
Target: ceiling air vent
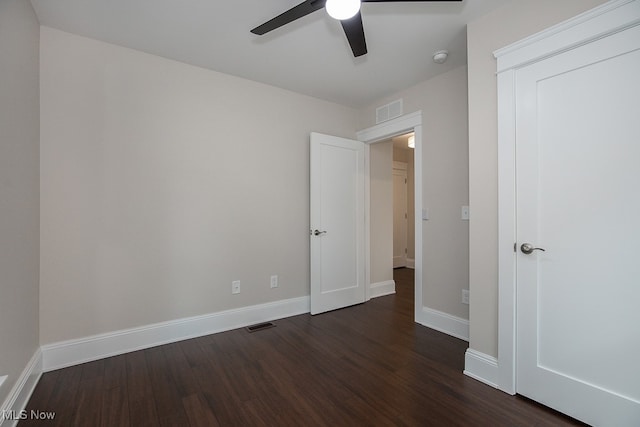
(389, 111)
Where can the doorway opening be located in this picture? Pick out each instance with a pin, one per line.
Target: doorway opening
(379, 133)
(403, 201)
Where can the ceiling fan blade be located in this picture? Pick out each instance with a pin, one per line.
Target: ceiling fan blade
(296, 12)
(355, 34)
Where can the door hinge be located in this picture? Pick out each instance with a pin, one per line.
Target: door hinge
(405, 216)
(405, 180)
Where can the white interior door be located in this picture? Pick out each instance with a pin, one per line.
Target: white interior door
(578, 198)
(337, 222)
(400, 221)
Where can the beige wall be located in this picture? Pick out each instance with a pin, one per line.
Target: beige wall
(502, 27)
(162, 182)
(19, 218)
(443, 101)
(381, 190)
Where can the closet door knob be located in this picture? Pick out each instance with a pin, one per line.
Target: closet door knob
(527, 249)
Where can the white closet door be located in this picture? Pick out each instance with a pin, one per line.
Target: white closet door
(578, 199)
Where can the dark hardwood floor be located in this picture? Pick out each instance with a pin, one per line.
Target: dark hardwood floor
(368, 365)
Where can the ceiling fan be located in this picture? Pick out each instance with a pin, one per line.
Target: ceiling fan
(346, 11)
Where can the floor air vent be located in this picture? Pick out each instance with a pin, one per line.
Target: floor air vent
(260, 327)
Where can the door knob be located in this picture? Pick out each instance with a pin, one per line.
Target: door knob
(527, 248)
(318, 232)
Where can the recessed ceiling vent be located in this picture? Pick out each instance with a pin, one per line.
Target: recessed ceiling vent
(389, 111)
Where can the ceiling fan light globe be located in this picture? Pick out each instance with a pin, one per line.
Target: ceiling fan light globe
(342, 9)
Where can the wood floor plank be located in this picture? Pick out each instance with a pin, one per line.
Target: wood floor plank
(199, 412)
(64, 397)
(115, 372)
(142, 412)
(165, 392)
(92, 369)
(309, 402)
(180, 370)
(88, 409)
(370, 364)
(137, 376)
(115, 407)
(216, 386)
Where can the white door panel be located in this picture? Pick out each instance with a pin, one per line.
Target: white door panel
(337, 212)
(578, 197)
(400, 222)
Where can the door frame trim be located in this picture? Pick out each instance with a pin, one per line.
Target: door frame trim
(411, 122)
(606, 19)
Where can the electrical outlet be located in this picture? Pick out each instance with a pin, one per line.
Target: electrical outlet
(235, 287)
(464, 214)
(274, 281)
(465, 296)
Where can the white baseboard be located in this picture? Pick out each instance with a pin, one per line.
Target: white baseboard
(19, 395)
(411, 263)
(74, 352)
(380, 289)
(481, 367)
(444, 322)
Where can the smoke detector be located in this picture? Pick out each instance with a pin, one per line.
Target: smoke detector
(440, 56)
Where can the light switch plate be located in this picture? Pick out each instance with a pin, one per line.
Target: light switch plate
(425, 214)
(465, 213)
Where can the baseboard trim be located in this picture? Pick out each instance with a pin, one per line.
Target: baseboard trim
(73, 352)
(19, 395)
(380, 289)
(411, 263)
(444, 322)
(481, 367)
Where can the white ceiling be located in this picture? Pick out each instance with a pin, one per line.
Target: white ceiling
(309, 56)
